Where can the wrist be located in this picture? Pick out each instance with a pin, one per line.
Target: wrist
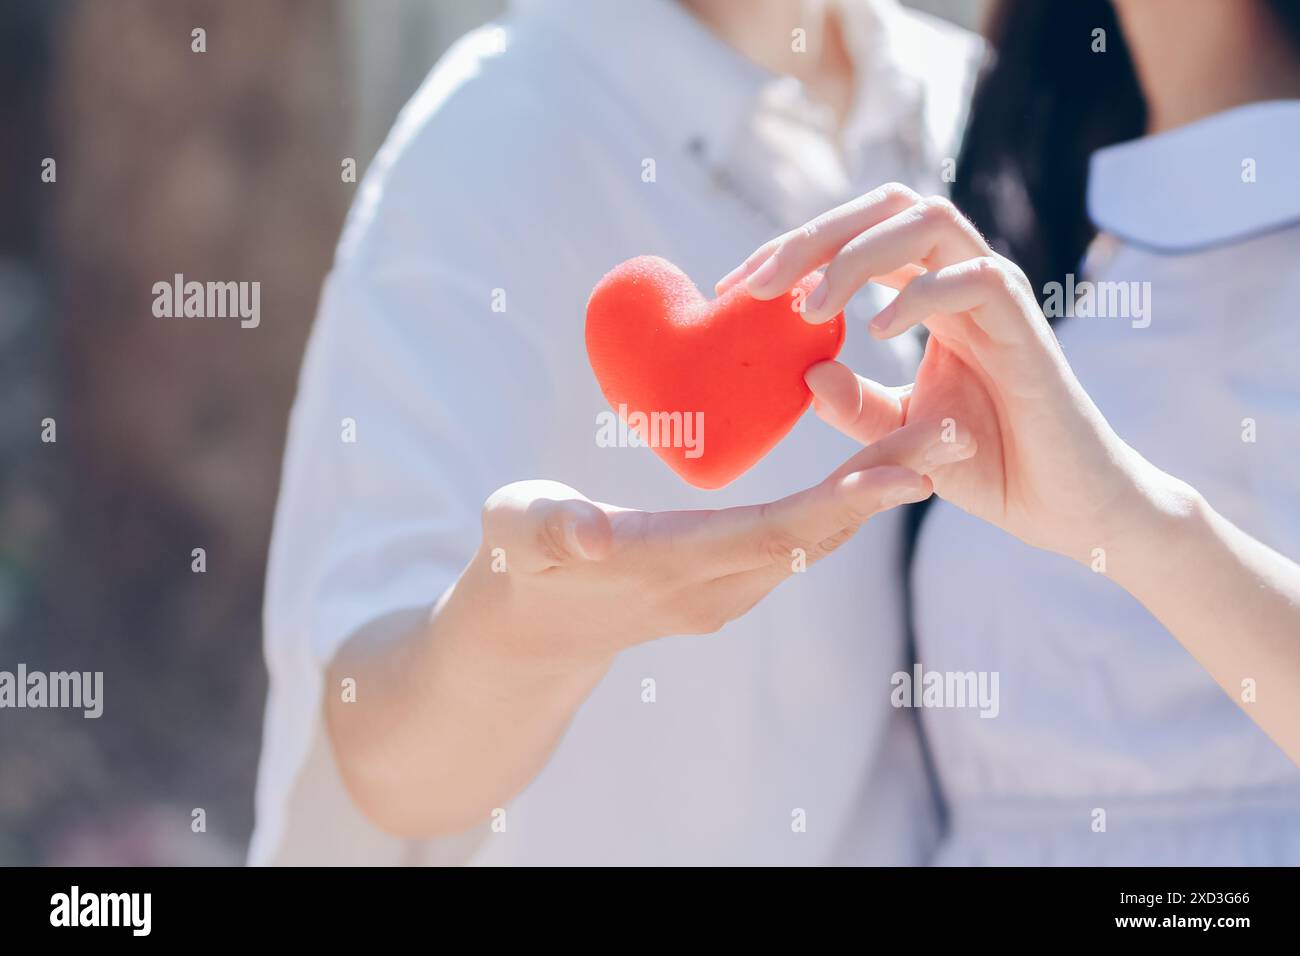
(483, 632)
(1155, 531)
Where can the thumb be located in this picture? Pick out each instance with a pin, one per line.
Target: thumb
(860, 408)
(545, 524)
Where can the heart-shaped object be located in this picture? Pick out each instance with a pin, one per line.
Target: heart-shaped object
(710, 386)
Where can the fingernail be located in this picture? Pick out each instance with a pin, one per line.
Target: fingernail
(905, 485)
(762, 275)
(902, 494)
(733, 274)
(816, 299)
(880, 324)
(947, 452)
(822, 381)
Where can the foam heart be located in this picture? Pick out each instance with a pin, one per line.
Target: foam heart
(711, 386)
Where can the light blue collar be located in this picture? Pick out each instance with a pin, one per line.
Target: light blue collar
(1217, 181)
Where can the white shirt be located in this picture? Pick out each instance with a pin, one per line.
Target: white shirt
(519, 167)
(1101, 708)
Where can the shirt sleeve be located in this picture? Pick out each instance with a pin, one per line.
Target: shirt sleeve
(407, 417)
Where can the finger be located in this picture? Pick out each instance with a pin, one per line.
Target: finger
(922, 447)
(814, 244)
(759, 256)
(712, 604)
(967, 287)
(743, 271)
(899, 278)
(741, 539)
(930, 235)
(857, 406)
(538, 525)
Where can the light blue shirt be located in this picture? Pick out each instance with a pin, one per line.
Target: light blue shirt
(1111, 744)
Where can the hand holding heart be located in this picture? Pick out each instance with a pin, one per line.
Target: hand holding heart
(657, 346)
(587, 579)
(1049, 468)
(996, 422)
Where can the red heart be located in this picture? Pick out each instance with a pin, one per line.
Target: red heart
(734, 365)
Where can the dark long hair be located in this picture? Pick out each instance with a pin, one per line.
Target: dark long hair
(1043, 106)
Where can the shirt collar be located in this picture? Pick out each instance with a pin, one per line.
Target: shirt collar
(700, 91)
(1213, 182)
(686, 81)
(890, 93)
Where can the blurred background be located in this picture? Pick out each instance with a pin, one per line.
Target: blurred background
(221, 165)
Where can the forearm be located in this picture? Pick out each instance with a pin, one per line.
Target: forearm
(1231, 601)
(449, 720)
(457, 710)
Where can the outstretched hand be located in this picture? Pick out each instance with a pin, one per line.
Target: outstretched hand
(591, 578)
